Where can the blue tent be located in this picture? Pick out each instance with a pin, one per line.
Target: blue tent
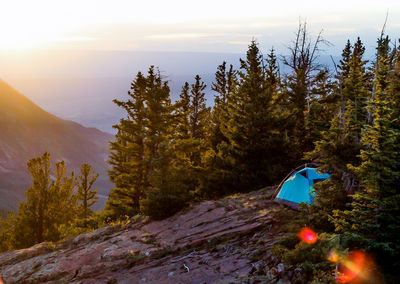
(298, 187)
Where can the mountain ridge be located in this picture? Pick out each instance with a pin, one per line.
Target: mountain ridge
(27, 131)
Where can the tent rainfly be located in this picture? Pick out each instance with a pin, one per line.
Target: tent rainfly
(298, 186)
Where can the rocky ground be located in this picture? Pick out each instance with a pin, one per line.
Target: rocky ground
(223, 241)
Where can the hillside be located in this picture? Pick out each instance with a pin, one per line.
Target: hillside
(223, 241)
(27, 131)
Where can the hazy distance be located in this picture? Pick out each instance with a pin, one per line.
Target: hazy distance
(80, 85)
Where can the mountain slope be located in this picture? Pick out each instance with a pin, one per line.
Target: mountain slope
(223, 241)
(27, 131)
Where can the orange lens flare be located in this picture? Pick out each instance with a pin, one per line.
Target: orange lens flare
(307, 235)
(333, 256)
(355, 268)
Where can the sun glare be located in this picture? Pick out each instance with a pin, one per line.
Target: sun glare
(35, 24)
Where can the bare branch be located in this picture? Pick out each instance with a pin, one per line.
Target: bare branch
(334, 64)
(384, 25)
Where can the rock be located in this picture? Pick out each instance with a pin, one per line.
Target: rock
(284, 281)
(213, 241)
(281, 268)
(273, 271)
(274, 260)
(298, 270)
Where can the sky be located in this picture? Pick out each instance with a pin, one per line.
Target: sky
(198, 26)
(57, 52)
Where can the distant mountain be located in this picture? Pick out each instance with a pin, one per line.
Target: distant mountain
(27, 131)
(88, 101)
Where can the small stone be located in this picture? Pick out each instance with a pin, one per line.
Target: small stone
(281, 268)
(290, 274)
(284, 281)
(273, 271)
(171, 274)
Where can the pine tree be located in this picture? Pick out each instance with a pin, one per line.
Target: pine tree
(323, 104)
(338, 147)
(49, 204)
(142, 159)
(170, 184)
(127, 156)
(198, 109)
(343, 73)
(215, 181)
(199, 120)
(254, 146)
(85, 194)
(373, 222)
(333, 152)
(272, 70)
(182, 109)
(158, 114)
(167, 191)
(191, 144)
(224, 86)
(7, 235)
(225, 82)
(356, 92)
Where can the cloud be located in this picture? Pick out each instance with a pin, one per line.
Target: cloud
(76, 38)
(237, 42)
(177, 36)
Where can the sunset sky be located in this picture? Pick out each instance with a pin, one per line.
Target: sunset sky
(206, 26)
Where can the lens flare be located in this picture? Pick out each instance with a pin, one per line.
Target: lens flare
(355, 268)
(333, 256)
(307, 235)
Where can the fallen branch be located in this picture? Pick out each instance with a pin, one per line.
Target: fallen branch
(184, 257)
(187, 268)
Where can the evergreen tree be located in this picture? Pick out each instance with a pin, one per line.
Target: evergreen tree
(372, 222)
(7, 228)
(170, 184)
(182, 108)
(49, 204)
(216, 178)
(323, 104)
(333, 152)
(198, 109)
(356, 93)
(127, 156)
(338, 147)
(254, 146)
(272, 70)
(158, 114)
(224, 86)
(199, 120)
(343, 73)
(191, 144)
(168, 190)
(85, 194)
(142, 150)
